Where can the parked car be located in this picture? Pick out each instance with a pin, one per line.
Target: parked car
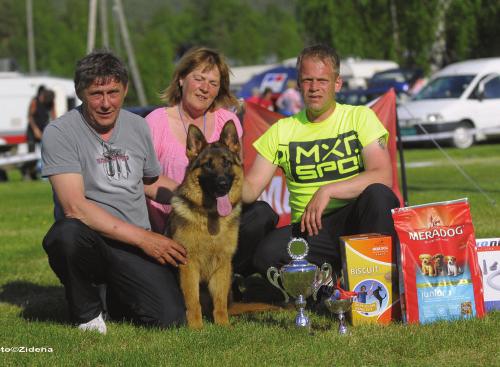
(403, 80)
(356, 72)
(358, 97)
(460, 105)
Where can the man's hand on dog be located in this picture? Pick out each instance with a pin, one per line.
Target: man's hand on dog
(164, 250)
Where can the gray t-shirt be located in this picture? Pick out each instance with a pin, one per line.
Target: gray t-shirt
(112, 171)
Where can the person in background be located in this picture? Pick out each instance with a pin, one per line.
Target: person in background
(264, 99)
(102, 165)
(336, 163)
(290, 101)
(199, 95)
(255, 97)
(40, 112)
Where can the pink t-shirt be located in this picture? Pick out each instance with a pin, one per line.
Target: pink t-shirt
(172, 155)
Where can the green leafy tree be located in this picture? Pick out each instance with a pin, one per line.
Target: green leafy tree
(252, 31)
(60, 35)
(354, 28)
(155, 53)
(488, 29)
(281, 32)
(13, 43)
(461, 37)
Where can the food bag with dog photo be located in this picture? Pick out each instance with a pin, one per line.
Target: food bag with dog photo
(442, 278)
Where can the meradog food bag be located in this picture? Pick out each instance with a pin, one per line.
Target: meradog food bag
(442, 279)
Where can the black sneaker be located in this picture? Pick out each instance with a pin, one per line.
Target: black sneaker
(237, 287)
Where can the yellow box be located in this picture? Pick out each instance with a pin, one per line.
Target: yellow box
(369, 268)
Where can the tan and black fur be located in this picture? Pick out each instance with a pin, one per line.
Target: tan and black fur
(209, 238)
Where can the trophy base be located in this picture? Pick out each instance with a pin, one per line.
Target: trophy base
(342, 325)
(302, 321)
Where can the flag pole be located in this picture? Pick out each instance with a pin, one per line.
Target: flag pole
(399, 144)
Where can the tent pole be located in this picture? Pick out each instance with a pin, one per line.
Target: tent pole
(91, 26)
(399, 143)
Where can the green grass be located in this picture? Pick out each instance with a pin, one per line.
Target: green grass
(443, 181)
(33, 311)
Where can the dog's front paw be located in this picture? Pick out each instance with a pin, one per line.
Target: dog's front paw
(194, 321)
(221, 318)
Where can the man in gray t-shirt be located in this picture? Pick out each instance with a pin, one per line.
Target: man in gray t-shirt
(102, 165)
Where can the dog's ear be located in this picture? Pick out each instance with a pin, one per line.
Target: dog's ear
(229, 137)
(195, 142)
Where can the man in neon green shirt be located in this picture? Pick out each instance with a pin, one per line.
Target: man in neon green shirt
(336, 163)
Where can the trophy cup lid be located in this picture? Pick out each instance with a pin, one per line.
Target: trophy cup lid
(298, 248)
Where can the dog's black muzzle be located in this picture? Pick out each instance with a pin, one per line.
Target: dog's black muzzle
(223, 185)
(218, 185)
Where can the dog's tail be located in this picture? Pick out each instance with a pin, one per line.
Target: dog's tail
(238, 308)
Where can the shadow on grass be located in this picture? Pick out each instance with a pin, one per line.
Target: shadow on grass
(38, 303)
(285, 319)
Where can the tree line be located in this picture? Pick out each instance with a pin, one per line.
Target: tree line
(428, 34)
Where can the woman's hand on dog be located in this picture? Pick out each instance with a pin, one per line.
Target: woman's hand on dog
(164, 250)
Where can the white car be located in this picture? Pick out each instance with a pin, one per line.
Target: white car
(460, 104)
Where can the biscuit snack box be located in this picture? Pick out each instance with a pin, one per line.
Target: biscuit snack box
(488, 255)
(369, 269)
(442, 279)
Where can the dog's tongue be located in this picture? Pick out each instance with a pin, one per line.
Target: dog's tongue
(224, 206)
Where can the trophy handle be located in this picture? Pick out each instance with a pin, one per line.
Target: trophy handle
(273, 275)
(324, 278)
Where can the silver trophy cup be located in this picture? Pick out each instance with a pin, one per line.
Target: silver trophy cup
(299, 279)
(339, 307)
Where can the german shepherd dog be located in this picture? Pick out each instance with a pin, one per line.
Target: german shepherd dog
(205, 218)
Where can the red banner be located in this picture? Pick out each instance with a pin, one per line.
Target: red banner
(385, 108)
(257, 120)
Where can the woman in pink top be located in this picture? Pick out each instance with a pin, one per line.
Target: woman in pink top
(198, 94)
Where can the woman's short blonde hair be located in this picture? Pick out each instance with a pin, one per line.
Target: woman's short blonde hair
(191, 60)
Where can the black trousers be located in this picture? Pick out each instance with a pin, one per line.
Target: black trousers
(257, 220)
(138, 288)
(369, 213)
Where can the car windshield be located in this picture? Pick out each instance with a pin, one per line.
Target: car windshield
(445, 87)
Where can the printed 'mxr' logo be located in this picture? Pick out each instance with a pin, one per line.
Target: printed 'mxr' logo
(327, 159)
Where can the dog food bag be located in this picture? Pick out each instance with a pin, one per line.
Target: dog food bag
(488, 255)
(369, 269)
(442, 279)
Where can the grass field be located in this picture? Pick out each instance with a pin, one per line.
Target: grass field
(33, 311)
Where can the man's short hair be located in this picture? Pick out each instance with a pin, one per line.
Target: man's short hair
(322, 52)
(99, 65)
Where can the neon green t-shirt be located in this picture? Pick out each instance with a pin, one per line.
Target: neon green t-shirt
(315, 154)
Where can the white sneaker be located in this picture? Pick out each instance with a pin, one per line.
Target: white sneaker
(96, 324)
